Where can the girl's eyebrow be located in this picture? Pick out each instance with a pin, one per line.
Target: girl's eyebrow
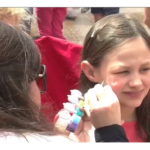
(147, 63)
(120, 66)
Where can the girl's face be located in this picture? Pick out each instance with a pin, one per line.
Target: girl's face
(127, 70)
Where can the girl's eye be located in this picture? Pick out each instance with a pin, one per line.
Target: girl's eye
(145, 69)
(122, 72)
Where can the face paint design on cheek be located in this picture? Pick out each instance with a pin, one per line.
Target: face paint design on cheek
(114, 83)
(111, 81)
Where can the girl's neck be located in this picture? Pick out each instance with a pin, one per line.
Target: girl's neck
(128, 114)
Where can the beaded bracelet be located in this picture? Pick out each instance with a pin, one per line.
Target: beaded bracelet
(76, 102)
(77, 114)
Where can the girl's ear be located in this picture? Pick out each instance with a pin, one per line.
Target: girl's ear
(89, 71)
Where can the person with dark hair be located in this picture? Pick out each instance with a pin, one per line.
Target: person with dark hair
(20, 101)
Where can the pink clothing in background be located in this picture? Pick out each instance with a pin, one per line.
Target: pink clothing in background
(50, 21)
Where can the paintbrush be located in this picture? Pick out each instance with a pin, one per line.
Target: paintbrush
(103, 83)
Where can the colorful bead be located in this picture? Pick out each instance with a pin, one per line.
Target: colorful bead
(75, 120)
(72, 127)
(79, 112)
(81, 103)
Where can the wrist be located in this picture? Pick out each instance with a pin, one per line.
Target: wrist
(106, 125)
(110, 133)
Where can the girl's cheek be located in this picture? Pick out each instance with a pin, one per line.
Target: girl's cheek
(116, 84)
(147, 81)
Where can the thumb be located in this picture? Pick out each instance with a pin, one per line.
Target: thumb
(79, 128)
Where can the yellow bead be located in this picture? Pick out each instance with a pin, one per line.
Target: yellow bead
(81, 103)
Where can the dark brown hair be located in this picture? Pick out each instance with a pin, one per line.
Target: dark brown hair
(19, 65)
(107, 34)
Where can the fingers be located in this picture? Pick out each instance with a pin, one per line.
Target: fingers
(109, 94)
(79, 128)
(86, 104)
(97, 95)
(92, 99)
(99, 91)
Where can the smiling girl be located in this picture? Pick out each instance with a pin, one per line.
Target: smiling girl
(117, 50)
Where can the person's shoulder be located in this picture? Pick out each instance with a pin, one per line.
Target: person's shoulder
(29, 138)
(11, 137)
